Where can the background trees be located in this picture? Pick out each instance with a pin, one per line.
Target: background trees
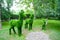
(40, 8)
(44, 7)
(5, 9)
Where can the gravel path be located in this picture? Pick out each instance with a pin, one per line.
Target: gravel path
(37, 36)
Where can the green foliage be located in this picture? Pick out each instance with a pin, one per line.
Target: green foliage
(9, 4)
(5, 10)
(31, 18)
(52, 24)
(20, 22)
(21, 15)
(13, 22)
(45, 8)
(53, 30)
(17, 23)
(29, 22)
(4, 14)
(13, 16)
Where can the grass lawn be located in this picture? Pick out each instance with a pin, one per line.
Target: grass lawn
(52, 29)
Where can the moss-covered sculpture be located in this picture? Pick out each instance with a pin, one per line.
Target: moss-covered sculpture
(29, 22)
(44, 24)
(12, 24)
(18, 23)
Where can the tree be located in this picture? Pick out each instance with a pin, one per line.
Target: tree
(44, 7)
(1, 1)
(4, 16)
(9, 4)
(5, 10)
(58, 9)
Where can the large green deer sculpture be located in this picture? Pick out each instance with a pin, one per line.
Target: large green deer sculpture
(18, 23)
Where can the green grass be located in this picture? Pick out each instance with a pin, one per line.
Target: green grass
(52, 29)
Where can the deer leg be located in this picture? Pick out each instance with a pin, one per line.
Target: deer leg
(10, 31)
(14, 30)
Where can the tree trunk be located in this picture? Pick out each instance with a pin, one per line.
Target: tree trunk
(0, 20)
(0, 15)
(0, 23)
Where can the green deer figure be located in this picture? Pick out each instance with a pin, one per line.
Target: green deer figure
(29, 22)
(18, 23)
